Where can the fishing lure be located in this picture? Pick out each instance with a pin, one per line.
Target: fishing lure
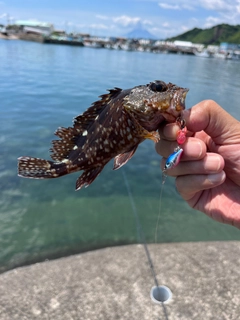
(174, 158)
(181, 134)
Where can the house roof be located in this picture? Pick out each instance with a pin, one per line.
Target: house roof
(33, 23)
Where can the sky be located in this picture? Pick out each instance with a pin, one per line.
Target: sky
(162, 18)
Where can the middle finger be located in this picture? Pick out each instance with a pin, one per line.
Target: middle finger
(193, 148)
(212, 163)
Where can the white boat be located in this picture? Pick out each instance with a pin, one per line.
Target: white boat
(234, 55)
(92, 44)
(220, 55)
(203, 54)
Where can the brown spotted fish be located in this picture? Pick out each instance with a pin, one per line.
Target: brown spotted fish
(112, 127)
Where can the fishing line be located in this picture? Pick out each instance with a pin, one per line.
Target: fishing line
(141, 236)
(164, 177)
(171, 162)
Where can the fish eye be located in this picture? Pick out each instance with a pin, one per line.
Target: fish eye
(158, 86)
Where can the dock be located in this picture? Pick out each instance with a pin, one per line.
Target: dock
(115, 283)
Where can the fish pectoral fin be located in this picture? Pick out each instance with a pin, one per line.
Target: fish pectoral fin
(123, 158)
(88, 177)
(153, 135)
(142, 132)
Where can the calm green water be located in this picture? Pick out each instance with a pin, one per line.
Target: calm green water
(45, 86)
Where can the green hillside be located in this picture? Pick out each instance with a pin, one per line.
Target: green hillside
(214, 35)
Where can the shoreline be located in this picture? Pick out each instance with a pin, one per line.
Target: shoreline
(8, 37)
(125, 45)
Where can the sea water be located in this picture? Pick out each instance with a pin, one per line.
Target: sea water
(45, 86)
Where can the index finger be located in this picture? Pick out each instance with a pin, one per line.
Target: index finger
(169, 131)
(214, 120)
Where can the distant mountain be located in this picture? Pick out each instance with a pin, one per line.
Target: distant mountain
(140, 33)
(215, 35)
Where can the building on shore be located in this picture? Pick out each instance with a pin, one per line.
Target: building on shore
(31, 26)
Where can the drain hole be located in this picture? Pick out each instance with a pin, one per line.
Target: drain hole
(160, 294)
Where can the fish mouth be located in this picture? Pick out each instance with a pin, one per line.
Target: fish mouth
(177, 105)
(178, 101)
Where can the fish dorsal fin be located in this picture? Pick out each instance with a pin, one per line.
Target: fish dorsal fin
(68, 136)
(85, 120)
(61, 148)
(123, 158)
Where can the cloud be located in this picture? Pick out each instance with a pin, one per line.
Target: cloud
(215, 5)
(126, 21)
(224, 11)
(163, 33)
(99, 16)
(184, 28)
(189, 6)
(165, 24)
(99, 26)
(181, 5)
(169, 6)
(147, 22)
(211, 21)
(218, 5)
(79, 25)
(238, 7)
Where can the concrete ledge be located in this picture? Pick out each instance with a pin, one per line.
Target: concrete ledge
(115, 283)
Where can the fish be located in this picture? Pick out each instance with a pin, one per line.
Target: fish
(111, 127)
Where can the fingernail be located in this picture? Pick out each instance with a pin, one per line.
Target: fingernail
(217, 178)
(201, 149)
(213, 163)
(195, 149)
(170, 131)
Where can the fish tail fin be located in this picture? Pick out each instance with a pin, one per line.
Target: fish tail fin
(88, 177)
(39, 168)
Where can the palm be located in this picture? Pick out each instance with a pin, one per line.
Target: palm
(222, 203)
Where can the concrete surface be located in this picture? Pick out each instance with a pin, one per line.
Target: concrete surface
(115, 283)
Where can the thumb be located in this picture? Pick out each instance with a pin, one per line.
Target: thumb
(214, 120)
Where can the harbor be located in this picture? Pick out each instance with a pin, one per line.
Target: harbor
(79, 255)
(128, 246)
(46, 34)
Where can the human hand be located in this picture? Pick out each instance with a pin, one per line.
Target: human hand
(208, 175)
